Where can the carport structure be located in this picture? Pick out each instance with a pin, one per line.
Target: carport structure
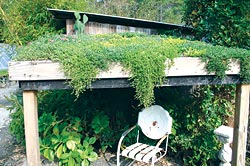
(46, 75)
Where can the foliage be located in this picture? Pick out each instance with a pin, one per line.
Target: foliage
(79, 26)
(20, 25)
(218, 57)
(220, 22)
(17, 123)
(103, 115)
(247, 161)
(161, 10)
(102, 130)
(82, 57)
(195, 118)
(3, 73)
(62, 140)
(223, 23)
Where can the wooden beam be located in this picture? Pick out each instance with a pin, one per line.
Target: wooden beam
(124, 82)
(48, 70)
(240, 125)
(31, 128)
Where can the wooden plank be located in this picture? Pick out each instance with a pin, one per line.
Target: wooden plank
(187, 66)
(35, 70)
(240, 125)
(90, 27)
(119, 28)
(124, 83)
(31, 128)
(69, 27)
(47, 70)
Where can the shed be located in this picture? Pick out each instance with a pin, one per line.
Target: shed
(101, 23)
(42, 75)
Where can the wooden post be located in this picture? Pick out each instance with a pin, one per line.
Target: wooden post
(31, 128)
(240, 125)
(69, 27)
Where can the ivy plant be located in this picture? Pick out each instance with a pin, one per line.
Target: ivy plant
(82, 57)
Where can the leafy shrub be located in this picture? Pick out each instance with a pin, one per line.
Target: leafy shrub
(220, 22)
(195, 116)
(63, 140)
(17, 119)
(102, 131)
(102, 115)
(19, 25)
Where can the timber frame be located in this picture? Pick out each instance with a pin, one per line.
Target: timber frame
(46, 75)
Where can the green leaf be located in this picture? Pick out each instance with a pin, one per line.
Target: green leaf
(85, 144)
(54, 139)
(85, 19)
(85, 163)
(100, 122)
(49, 154)
(71, 144)
(93, 156)
(59, 151)
(56, 130)
(92, 140)
(64, 148)
(71, 162)
(75, 154)
(84, 154)
(65, 156)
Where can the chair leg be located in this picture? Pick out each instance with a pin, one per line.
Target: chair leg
(118, 160)
(153, 161)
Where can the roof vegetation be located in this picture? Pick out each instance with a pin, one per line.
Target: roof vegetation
(82, 57)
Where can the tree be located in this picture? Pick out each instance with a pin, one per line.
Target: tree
(23, 21)
(159, 10)
(221, 22)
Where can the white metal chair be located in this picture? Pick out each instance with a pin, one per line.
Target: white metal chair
(155, 123)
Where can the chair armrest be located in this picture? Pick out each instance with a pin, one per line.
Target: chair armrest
(161, 140)
(120, 142)
(158, 145)
(122, 137)
(128, 131)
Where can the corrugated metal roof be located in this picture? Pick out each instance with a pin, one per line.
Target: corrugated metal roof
(6, 53)
(102, 18)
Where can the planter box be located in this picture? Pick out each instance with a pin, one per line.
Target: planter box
(48, 70)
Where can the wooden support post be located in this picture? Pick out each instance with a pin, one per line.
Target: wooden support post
(240, 125)
(31, 128)
(69, 27)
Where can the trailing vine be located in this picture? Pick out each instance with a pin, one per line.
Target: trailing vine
(82, 57)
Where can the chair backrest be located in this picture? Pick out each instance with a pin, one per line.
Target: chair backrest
(155, 122)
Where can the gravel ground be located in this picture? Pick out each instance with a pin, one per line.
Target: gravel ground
(12, 154)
